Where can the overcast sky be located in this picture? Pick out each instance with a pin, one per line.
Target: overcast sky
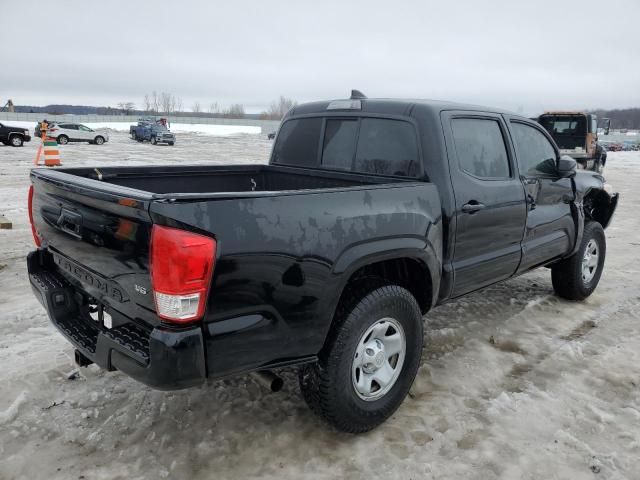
(521, 55)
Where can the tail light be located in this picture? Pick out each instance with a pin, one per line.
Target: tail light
(36, 237)
(182, 265)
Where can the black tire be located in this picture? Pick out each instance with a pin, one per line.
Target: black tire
(16, 141)
(62, 139)
(567, 276)
(134, 136)
(603, 162)
(154, 140)
(328, 385)
(99, 140)
(171, 144)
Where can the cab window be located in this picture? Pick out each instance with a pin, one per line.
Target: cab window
(480, 148)
(536, 155)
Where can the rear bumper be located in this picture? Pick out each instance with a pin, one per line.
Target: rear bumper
(161, 358)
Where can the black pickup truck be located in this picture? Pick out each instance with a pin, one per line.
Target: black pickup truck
(370, 213)
(14, 136)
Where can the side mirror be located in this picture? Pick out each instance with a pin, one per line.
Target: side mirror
(567, 166)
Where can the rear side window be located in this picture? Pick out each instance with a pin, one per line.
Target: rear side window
(480, 147)
(339, 143)
(298, 142)
(387, 147)
(536, 155)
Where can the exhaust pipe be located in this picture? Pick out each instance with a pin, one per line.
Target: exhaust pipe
(81, 360)
(268, 379)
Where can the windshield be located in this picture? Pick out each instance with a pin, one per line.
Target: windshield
(564, 125)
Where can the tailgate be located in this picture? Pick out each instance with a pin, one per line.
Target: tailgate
(98, 236)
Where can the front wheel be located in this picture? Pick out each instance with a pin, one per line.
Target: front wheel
(99, 140)
(370, 360)
(154, 140)
(576, 277)
(16, 141)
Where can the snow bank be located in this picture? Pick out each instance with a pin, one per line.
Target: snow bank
(200, 128)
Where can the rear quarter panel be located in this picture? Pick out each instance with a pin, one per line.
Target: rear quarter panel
(284, 259)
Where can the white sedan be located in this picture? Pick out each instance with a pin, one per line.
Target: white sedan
(75, 132)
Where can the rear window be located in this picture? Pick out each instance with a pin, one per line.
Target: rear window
(564, 125)
(365, 145)
(298, 142)
(387, 147)
(339, 143)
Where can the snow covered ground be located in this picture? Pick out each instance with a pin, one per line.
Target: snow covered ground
(515, 383)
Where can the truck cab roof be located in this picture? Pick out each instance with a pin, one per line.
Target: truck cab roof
(386, 106)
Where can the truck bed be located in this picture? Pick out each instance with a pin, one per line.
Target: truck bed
(206, 180)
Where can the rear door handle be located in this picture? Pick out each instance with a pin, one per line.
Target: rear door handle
(472, 207)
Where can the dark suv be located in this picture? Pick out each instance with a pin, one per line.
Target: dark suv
(14, 136)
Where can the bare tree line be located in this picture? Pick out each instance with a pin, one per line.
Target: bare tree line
(235, 110)
(164, 102)
(126, 107)
(168, 103)
(279, 108)
(628, 118)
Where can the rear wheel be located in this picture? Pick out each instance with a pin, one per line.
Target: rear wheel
(16, 141)
(171, 144)
(63, 139)
(576, 277)
(370, 360)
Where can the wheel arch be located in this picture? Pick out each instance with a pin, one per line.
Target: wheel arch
(412, 264)
(599, 206)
